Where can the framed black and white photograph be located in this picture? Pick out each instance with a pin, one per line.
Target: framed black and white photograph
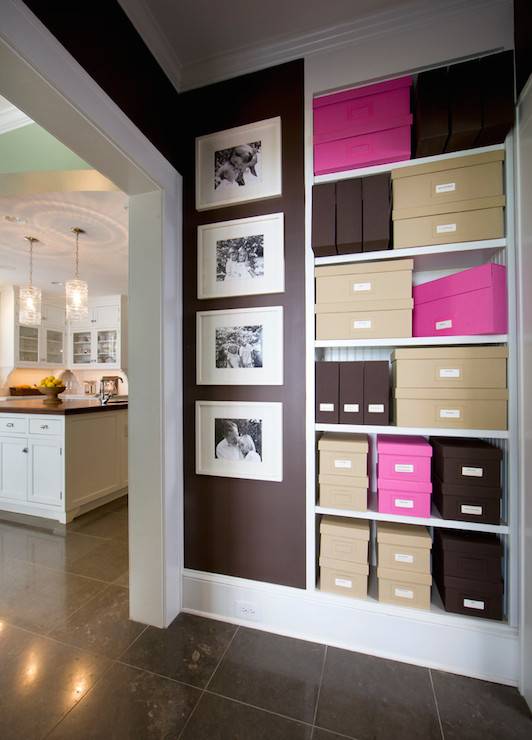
(241, 257)
(242, 346)
(238, 439)
(239, 165)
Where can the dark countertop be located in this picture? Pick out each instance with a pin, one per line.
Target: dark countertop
(36, 406)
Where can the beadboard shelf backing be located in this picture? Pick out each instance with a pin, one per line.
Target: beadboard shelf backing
(413, 341)
(419, 431)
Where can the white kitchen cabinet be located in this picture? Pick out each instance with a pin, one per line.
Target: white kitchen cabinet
(46, 472)
(14, 453)
(100, 342)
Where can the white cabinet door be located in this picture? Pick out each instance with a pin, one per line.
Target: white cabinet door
(53, 316)
(53, 347)
(107, 347)
(14, 468)
(82, 351)
(28, 341)
(46, 465)
(104, 316)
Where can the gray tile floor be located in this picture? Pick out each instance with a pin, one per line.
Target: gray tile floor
(72, 665)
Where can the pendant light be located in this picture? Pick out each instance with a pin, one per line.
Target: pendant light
(77, 291)
(30, 297)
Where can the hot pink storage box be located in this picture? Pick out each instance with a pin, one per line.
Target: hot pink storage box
(361, 127)
(402, 458)
(410, 498)
(470, 302)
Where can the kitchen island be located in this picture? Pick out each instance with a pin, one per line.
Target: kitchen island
(60, 461)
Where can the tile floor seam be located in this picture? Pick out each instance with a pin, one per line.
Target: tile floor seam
(68, 572)
(154, 673)
(81, 606)
(437, 705)
(222, 657)
(319, 686)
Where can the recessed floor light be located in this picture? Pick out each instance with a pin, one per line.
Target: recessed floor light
(16, 219)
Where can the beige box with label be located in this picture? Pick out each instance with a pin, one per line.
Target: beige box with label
(362, 283)
(459, 408)
(445, 228)
(403, 547)
(343, 455)
(374, 320)
(450, 367)
(335, 492)
(344, 578)
(404, 589)
(344, 539)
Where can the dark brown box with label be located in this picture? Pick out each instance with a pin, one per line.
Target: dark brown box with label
(327, 392)
(377, 392)
(348, 216)
(351, 393)
(474, 598)
(465, 106)
(376, 212)
(471, 462)
(324, 220)
(467, 503)
(498, 108)
(431, 113)
(474, 556)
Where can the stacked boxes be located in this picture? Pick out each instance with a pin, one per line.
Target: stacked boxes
(467, 568)
(343, 471)
(456, 387)
(467, 480)
(403, 475)
(344, 549)
(361, 301)
(353, 392)
(403, 552)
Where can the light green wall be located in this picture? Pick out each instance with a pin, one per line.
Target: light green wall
(32, 149)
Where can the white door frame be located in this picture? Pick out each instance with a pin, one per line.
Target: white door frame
(41, 78)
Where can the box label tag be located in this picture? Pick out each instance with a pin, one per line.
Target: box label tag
(467, 509)
(351, 408)
(403, 593)
(375, 408)
(474, 604)
(449, 372)
(403, 468)
(359, 287)
(343, 582)
(402, 558)
(366, 324)
(403, 503)
(445, 228)
(342, 464)
(326, 406)
(449, 413)
(446, 187)
(472, 472)
(447, 324)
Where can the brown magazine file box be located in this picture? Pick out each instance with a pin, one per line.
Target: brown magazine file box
(351, 408)
(327, 392)
(348, 216)
(376, 212)
(471, 462)
(498, 107)
(431, 113)
(324, 220)
(465, 105)
(377, 392)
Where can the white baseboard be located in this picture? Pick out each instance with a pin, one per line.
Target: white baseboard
(435, 639)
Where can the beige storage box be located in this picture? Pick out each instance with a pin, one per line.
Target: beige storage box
(450, 367)
(335, 492)
(445, 228)
(343, 455)
(344, 578)
(460, 408)
(404, 589)
(362, 283)
(403, 547)
(344, 539)
(375, 320)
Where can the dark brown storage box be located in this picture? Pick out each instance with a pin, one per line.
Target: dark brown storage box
(324, 220)
(498, 108)
(474, 598)
(466, 461)
(351, 408)
(467, 503)
(377, 392)
(327, 392)
(348, 216)
(431, 117)
(474, 556)
(376, 212)
(465, 106)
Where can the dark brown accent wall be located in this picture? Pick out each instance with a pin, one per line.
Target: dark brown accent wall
(251, 529)
(523, 42)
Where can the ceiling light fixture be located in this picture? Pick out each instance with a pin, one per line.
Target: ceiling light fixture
(16, 219)
(77, 291)
(30, 297)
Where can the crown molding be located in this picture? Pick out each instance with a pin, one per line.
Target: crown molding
(154, 37)
(12, 118)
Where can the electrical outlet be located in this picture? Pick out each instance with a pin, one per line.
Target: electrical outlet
(246, 610)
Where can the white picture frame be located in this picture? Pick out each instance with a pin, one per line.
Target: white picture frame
(242, 346)
(260, 241)
(239, 165)
(221, 426)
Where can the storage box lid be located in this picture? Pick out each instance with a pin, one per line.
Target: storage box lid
(400, 444)
(338, 442)
(407, 535)
(452, 394)
(473, 544)
(493, 351)
(467, 491)
(343, 526)
(464, 449)
(470, 586)
(403, 576)
(404, 486)
(345, 566)
(365, 268)
(361, 92)
(365, 307)
(465, 281)
(448, 164)
(352, 483)
(455, 206)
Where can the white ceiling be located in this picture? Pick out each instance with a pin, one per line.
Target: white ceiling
(50, 216)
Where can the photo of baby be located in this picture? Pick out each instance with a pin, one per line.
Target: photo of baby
(238, 439)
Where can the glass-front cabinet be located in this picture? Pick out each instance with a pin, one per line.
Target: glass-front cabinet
(28, 344)
(95, 347)
(54, 341)
(82, 347)
(107, 347)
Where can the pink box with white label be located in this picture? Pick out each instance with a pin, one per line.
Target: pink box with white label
(402, 458)
(470, 302)
(410, 498)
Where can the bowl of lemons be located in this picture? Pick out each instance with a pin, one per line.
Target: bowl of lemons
(51, 387)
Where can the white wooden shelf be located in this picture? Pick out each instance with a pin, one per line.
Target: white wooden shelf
(375, 169)
(413, 341)
(421, 431)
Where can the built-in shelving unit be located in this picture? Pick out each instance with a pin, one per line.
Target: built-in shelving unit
(413, 341)
(419, 431)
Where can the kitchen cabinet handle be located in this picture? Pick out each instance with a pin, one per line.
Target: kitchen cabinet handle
(25, 449)
(44, 426)
(10, 425)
